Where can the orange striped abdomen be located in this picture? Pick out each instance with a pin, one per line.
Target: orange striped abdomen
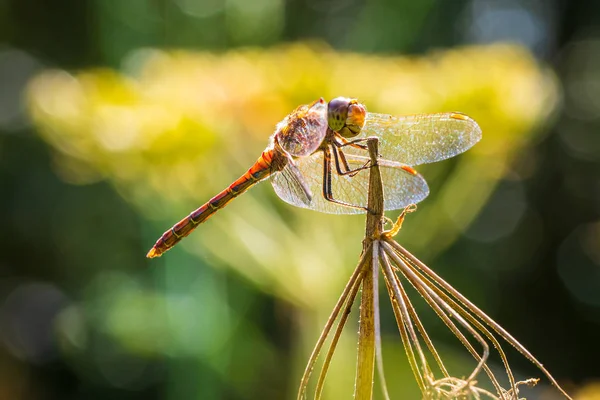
(259, 171)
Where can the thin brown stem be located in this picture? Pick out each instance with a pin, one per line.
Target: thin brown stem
(336, 336)
(483, 316)
(405, 317)
(412, 360)
(422, 331)
(472, 319)
(437, 304)
(334, 314)
(378, 345)
(365, 368)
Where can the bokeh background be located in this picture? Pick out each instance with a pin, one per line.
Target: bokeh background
(119, 117)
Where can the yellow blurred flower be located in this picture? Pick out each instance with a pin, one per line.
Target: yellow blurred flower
(590, 391)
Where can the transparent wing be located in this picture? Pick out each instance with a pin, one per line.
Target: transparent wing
(421, 139)
(400, 186)
(291, 182)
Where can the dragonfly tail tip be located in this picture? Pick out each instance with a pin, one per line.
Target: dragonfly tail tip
(153, 253)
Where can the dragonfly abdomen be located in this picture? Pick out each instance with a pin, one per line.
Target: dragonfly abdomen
(259, 171)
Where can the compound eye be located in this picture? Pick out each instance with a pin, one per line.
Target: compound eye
(337, 112)
(355, 120)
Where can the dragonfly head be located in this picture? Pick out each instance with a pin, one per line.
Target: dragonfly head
(346, 116)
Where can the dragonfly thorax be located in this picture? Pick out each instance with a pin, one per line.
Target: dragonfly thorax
(303, 131)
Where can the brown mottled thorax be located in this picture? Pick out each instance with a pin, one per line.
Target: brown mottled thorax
(303, 131)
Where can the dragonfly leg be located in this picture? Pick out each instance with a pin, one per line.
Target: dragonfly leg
(339, 155)
(356, 143)
(327, 192)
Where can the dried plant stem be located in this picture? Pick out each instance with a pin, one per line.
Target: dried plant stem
(439, 306)
(413, 315)
(336, 336)
(355, 279)
(458, 314)
(405, 340)
(409, 337)
(363, 389)
(478, 325)
(480, 314)
(378, 345)
(415, 318)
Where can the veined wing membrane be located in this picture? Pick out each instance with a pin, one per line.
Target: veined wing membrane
(421, 139)
(400, 186)
(292, 184)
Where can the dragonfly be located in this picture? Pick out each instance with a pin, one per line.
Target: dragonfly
(319, 148)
